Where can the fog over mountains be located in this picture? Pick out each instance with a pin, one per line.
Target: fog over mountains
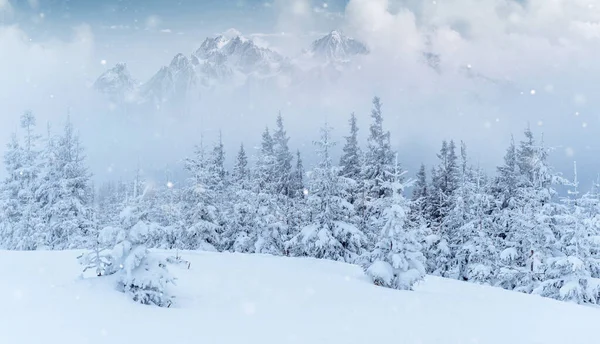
(231, 60)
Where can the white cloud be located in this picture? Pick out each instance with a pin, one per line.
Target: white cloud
(6, 10)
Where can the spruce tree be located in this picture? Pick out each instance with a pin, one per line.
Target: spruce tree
(283, 160)
(298, 177)
(330, 234)
(397, 260)
(199, 210)
(65, 192)
(350, 162)
(379, 158)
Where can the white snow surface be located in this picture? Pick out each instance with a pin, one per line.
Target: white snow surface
(237, 298)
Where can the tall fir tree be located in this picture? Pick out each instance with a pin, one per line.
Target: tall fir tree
(378, 164)
(397, 260)
(350, 162)
(283, 160)
(330, 234)
(200, 213)
(66, 192)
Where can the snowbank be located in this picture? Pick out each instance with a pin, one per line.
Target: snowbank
(236, 298)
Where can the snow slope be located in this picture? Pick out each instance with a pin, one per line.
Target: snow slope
(235, 298)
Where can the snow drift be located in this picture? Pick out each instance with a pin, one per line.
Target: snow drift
(238, 298)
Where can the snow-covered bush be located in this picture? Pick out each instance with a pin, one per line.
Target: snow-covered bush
(567, 279)
(142, 275)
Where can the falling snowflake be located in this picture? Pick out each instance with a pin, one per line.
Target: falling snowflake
(584, 125)
(577, 113)
(103, 62)
(170, 185)
(305, 192)
(569, 151)
(532, 92)
(579, 99)
(17, 294)
(540, 123)
(249, 308)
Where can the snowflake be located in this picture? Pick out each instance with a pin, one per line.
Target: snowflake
(569, 151)
(249, 308)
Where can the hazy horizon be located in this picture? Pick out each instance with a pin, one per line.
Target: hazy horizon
(503, 64)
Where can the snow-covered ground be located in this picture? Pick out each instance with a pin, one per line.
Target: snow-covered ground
(235, 298)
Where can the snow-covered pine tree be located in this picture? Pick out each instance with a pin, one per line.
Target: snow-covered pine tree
(65, 192)
(13, 236)
(377, 170)
(350, 161)
(241, 170)
(266, 165)
(533, 240)
(298, 211)
(476, 253)
(444, 182)
(567, 276)
(199, 210)
(589, 213)
(140, 274)
(283, 160)
(298, 177)
(174, 229)
(378, 165)
(270, 219)
(99, 258)
(420, 193)
(21, 221)
(331, 234)
(240, 235)
(505, 191)
(29, 175)
(397, 260)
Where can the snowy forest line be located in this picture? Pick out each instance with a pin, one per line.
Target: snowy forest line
(510, 229)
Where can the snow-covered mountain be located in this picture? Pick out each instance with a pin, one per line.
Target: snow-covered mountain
(117, 82)
(232, 60)
(171, 82)
(336, 47)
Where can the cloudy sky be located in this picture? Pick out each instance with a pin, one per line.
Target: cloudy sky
(503, 64)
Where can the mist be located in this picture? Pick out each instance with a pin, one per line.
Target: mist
(503, 65)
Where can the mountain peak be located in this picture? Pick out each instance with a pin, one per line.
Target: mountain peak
(116, 80)
(231, 33)
(336, 46)
(180, 61)
(336, 35)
